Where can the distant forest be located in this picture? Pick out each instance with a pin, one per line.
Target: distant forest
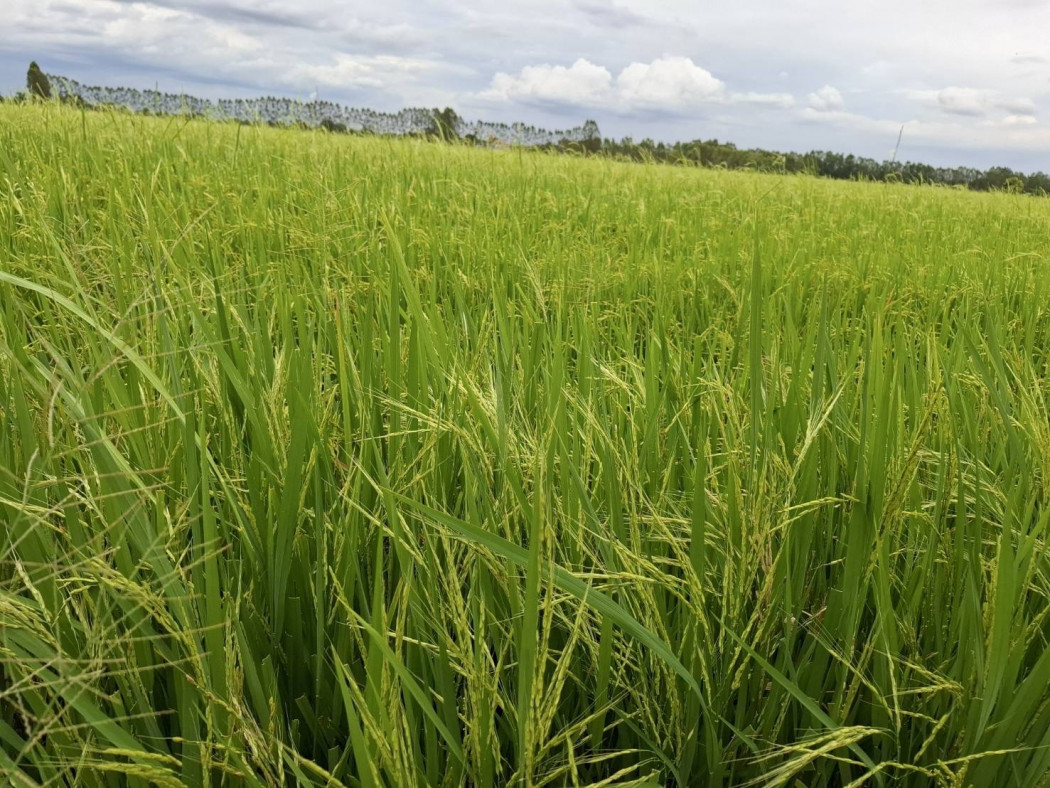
(278, 111)
(446, 124)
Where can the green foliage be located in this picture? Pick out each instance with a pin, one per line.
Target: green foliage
(37, 83)
(445, 124)
(712, 153)
(332, 460)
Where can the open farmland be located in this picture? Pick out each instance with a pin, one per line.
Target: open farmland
(333, 460)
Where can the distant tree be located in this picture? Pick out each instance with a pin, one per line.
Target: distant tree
(1038, 183)
(592, 137)
(996, 179)
(1014, 184)
(36, 82)
(445, 124)
(334, 126)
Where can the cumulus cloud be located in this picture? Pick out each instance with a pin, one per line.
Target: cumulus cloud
(581, 83)
(972, 102)
(670, 84)
(445, 52)
(667, 83)
(255, 47)
(827, 99)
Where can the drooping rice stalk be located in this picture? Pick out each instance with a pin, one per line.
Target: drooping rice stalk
(350, 461)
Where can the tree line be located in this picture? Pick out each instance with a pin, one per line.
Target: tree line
(447, 125)
(283, 111)
(827, 164)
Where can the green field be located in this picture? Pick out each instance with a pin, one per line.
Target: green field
(333, 460)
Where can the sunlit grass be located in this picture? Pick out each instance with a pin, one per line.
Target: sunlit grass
(352, 461)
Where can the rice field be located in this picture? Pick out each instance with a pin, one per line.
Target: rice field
(350, 461)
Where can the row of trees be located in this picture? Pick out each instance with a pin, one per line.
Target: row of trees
(447, 125)
(828, 164)
(281, 111)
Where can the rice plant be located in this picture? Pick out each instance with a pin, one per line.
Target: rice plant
(348, 461)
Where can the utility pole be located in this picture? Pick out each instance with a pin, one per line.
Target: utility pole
(898, 146)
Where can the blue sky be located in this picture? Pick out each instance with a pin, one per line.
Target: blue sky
(969, 80)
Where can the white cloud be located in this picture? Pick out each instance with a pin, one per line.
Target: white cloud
(206, 42)
(1019, 120)
(581, 83)
(972, 102)
(1016, 132)
(827, 99)
(669, 84)
(852, 120)
(445, 52)
(357, 71)
(778, 100)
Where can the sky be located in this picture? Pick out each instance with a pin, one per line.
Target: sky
(969, 80)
